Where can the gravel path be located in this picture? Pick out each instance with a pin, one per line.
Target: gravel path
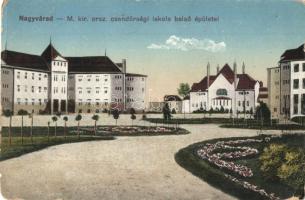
(126, 168)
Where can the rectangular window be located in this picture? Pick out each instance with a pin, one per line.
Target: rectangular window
(295, 103)
(296, 68)
(303, 104)
(296, 84)
(33, 89)
(303, 83)
(303, 67)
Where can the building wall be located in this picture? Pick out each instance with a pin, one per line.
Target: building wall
(7, 88)
(117, 91)
(198, 100)
(135, 92)
(91, 92)
(220, 83)
(246, 98)
(297, 105)
(186, 106)
(285, 82)
(31, 91)
(273, 85)
(59, 84)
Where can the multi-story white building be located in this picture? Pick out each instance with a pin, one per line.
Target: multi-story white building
(292, 84)
(273, 86)
(50, 83)
(226, 90)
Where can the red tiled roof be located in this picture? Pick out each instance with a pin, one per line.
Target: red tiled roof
(202, 85)
(245, 82)
(24, 60)
(294, 54)
(227, 72)
(50, 53)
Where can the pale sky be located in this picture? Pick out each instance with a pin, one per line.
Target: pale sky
(256, 32)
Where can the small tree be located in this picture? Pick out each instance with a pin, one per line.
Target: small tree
(9, 114)
(95, 118)
(78, 118)
(22, 113)
(144, 117)
(211, 111)
(54, 119)
(65, 118)
(133, 117)
(184, 89)
(263, 113)
(116, 115)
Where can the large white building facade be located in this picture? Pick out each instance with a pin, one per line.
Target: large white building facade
(227, 90)
(288, 94)
(51, 83)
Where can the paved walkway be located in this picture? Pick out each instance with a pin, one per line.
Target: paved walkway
(126, 168)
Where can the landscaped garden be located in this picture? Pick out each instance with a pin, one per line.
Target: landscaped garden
(261, 167)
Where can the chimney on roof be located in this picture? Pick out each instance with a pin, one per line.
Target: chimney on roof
(244, 68)
(217, 68)
(124, 65)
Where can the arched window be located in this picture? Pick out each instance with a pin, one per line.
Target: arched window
(221, 92)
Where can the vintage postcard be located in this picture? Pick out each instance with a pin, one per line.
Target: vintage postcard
(152, 99)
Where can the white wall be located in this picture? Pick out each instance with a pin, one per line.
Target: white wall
(135, 92)
(300, 75)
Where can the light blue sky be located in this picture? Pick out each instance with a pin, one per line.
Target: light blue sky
(254, 31)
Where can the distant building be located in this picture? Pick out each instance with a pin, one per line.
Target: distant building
(273, 85)
(174, 102)
(292, 66)
(50, 83)
(225, 90)
(263, 94)
(186, 104)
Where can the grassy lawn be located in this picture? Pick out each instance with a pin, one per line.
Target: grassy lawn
(40, 136)
(39, 142)
(188, 159)
(228, 123)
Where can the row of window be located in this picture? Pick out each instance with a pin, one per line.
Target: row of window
(118, 88)
(243, 102)
(296, 83)
(32, 75)
(62, 90)
(97, 91)
(296, 67)
(56, 78)
(5, 72)
(296, 104)
(5, 99)
(33, 102)
(33, 88)
(129, 88)
(243, 93)
(4, 85)
(59, 63)
(221, 102)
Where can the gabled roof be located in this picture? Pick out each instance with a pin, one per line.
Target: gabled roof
(50, 53)
(92, 64)
(24, 60)
(203, 84)
(172, 98)
(245, 82)
(294, 54)
(227, 72)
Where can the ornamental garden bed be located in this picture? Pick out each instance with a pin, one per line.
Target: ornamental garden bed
(261, 167)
